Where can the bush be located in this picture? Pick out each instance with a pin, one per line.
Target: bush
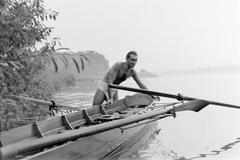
(22, 67)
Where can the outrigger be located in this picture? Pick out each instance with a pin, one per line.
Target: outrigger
(103, 132)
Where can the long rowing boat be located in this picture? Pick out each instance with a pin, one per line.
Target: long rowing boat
(102, 132)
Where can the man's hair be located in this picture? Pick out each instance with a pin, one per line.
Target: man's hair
(131, 52)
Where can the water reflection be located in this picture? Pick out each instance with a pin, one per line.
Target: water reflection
(156, 150)
(214, 152)
(79, 95)
(81, 100)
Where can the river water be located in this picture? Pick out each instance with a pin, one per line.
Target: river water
(213, 133)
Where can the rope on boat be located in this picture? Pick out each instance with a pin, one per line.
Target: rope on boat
(159, 107)
(153, 119)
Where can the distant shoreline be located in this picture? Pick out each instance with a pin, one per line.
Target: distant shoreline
(202, 71)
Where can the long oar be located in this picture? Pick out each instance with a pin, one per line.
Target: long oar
(178, 97)
(48, 103)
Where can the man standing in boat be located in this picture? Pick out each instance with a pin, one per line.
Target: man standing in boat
(118, 73)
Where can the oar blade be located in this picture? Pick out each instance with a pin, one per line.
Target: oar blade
(194, 105)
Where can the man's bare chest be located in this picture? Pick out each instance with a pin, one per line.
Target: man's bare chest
(123, 75)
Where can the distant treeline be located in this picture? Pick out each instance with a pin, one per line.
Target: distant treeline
(201, 71)
(145, 74)
(94, 68)
(89, 70)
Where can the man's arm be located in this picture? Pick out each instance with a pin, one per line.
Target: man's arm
(141, 85)
(137, 80)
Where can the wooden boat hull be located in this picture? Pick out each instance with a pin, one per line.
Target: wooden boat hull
(105, 145)
(61, 137)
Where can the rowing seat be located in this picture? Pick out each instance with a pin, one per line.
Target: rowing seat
(138, 100)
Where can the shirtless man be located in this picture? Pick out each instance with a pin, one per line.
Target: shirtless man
(118, 73)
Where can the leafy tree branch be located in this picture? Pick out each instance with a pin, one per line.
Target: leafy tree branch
(23, 68)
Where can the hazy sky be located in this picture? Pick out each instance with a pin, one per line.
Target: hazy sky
(167, 34)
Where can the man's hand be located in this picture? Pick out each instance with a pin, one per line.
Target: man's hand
(155, 97)
(110, 102)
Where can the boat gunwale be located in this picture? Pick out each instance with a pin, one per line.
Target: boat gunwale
(77, 119)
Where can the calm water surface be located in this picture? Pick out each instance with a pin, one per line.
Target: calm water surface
(213, 133)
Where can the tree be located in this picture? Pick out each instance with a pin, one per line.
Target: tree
(22, 66)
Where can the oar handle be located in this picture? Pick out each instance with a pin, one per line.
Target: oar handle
(178, 97)
(48, 103)
(145, 91)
